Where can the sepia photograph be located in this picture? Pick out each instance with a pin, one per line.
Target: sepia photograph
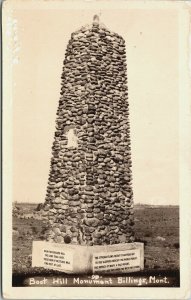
(93, 194)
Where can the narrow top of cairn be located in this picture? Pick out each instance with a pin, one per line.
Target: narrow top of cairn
(96, 20)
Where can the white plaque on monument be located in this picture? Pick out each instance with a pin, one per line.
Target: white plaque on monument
(52, 256)
(117, 261)
(84, 259)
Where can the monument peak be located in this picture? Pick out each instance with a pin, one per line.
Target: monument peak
(96, 19)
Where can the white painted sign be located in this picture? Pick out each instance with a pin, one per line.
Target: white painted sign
(56, 259)
(52, 257)
(117, 261)
(79, 259)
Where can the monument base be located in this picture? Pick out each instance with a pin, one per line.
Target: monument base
(77, 259)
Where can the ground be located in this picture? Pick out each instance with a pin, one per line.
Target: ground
(156, 226)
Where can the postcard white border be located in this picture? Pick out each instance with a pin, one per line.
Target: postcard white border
(185, 158)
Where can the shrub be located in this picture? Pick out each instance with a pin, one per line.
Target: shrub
(148, 234)
(176, 245)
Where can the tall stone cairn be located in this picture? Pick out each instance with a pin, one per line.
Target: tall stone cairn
(89, 198)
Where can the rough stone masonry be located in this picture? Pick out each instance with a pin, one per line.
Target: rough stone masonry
(89, 198)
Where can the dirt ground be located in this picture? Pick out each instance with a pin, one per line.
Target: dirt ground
(156, 226)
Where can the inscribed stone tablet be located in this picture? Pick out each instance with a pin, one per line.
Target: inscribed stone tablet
(57, 259)
(52, 256)
(117, 261)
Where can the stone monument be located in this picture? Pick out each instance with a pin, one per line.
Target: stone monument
(89, 200)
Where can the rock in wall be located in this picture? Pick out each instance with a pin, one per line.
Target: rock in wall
(89, 197)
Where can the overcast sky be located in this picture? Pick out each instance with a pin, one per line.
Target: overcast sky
(152, 60)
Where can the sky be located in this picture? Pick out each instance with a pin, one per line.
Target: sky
(39, 41)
